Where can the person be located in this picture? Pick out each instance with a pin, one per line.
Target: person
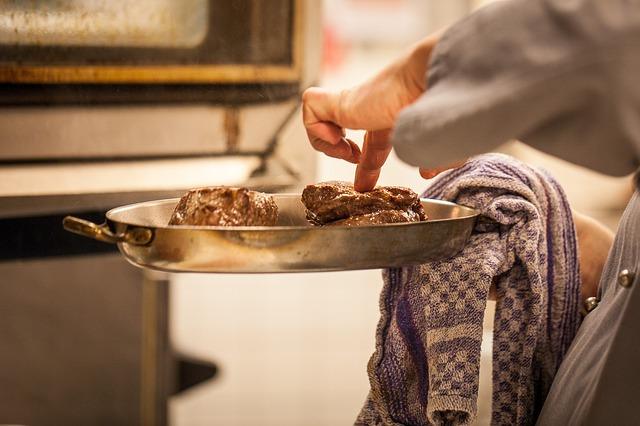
(562, 77)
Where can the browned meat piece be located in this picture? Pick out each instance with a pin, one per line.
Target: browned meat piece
(329, 202)
(377, 218)
(221, 206)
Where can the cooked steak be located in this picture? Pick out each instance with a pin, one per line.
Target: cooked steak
(329, 202)
(222, 206)
(377, 218)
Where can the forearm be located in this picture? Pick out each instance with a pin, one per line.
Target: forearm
(594, 243)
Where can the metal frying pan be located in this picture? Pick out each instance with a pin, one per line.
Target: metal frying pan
(145, 239)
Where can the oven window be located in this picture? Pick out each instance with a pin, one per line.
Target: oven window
(146, 32)
(151, 23)
(122, 51)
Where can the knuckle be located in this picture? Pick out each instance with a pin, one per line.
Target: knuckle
(306, 95)
(309, 94)
(342, 106)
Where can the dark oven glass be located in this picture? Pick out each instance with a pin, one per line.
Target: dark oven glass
(162, 50)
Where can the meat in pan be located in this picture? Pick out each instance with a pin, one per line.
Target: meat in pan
(222, 206)
(337, 203)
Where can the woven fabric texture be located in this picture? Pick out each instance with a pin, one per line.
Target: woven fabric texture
(425, 368)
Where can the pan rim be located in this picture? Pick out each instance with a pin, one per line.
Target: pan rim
(112, 213)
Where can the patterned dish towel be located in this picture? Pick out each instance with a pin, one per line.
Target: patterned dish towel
(426, 365)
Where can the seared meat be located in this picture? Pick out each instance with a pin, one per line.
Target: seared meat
(222, 206)
(330, 202)
(377, 218)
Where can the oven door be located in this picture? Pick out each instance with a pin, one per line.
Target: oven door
(107, 103)
(150, 50)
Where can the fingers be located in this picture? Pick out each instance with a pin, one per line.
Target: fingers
(430, 173)
(320, 114)
(345, 149)
(433, 172)
(320, 105)
(324, 132)
(355, 151)
(329, 139)
(375, 150)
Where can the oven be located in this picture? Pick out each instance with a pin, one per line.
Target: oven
(104, 103)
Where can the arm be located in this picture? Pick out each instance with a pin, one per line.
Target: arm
(561, 76)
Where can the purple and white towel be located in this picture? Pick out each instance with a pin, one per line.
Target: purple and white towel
(425, 368)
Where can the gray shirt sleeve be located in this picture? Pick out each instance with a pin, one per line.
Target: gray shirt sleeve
(562, 76)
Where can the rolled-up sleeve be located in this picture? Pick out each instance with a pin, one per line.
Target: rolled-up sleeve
(562, 76)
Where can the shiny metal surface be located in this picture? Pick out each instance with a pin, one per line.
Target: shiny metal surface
(625, 279)
(293, 245)
(590, 304)
(131, 235)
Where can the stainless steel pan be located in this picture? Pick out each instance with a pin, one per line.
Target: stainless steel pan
(145, 239)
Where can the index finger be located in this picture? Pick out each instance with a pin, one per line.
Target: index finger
(375, 150)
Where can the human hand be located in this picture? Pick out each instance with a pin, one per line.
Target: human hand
(371, 106)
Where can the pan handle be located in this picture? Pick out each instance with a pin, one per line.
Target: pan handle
(136, 235)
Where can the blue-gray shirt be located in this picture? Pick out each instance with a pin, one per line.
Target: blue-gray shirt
(564, 77)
